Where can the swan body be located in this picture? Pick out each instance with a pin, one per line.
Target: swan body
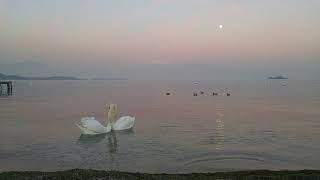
(89, 125)
(124, 123)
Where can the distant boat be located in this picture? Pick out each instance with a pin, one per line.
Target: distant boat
(277, 77)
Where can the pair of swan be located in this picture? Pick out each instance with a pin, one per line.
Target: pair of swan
(89, 125)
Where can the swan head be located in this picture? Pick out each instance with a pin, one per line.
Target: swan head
(113, 112)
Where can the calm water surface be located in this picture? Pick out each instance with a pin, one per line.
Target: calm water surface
(262, 125)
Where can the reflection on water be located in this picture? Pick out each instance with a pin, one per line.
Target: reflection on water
(110, 139)
(263, 125)
(220, 129)
(91, 139)
(105, 147)
(112, 142)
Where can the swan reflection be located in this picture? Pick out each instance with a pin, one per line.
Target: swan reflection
(91, 139)
(112, 142)
(111, 139)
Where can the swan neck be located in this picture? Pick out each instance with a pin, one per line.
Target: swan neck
(112, 115)
(109, 121)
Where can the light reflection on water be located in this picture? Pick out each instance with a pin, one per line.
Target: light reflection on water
(262, 125)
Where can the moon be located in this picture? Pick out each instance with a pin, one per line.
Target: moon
(220, 26)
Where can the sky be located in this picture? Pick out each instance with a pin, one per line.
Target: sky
(137, 38)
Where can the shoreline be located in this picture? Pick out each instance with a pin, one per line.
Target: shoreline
(101, 174)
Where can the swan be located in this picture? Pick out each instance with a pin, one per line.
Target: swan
(89, 125)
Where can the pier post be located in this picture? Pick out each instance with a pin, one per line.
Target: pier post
(11, 88)
(8, 89)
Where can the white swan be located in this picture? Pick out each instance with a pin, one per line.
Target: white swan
(89, 125)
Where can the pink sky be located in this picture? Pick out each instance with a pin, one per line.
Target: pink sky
(159, 32)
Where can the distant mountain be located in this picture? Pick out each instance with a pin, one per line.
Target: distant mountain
(56, 78)
(15, 77)
(109, 79)
(277, 77)
(12, 77)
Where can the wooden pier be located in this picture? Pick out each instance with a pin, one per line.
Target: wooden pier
(9, 88)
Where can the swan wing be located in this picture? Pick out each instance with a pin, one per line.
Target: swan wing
(123, 123)
(89, 125)
(85, 130)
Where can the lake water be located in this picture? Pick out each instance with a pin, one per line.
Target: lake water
(268, 124)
